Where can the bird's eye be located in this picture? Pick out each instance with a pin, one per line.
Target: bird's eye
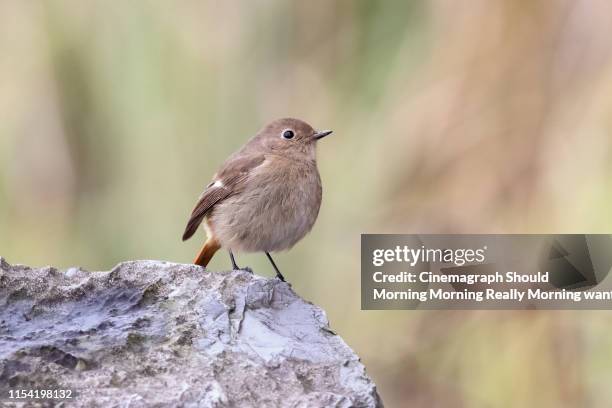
(288, 134)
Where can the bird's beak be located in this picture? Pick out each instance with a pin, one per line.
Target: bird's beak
(322, 134)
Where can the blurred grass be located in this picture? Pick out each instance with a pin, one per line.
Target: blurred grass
(488, 116)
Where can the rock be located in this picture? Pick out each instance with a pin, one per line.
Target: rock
(151, 333)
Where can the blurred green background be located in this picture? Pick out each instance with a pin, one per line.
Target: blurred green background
(490, 116)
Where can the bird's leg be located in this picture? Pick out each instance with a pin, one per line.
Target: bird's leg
(235, 265)
(278, 274)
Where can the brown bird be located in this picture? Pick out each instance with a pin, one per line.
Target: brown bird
(265, 197)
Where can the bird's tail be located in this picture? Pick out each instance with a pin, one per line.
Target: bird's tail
(207, 252)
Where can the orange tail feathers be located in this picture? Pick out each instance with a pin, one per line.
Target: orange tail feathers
(207, 252)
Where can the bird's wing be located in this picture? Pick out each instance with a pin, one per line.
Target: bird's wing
(229, 180)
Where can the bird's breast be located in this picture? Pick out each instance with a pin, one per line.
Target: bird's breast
(277, 207)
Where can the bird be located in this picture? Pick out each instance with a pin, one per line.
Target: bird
(265, 197)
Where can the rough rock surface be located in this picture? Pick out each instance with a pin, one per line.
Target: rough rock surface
(150, 333)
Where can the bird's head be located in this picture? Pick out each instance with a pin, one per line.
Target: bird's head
(291, 137)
